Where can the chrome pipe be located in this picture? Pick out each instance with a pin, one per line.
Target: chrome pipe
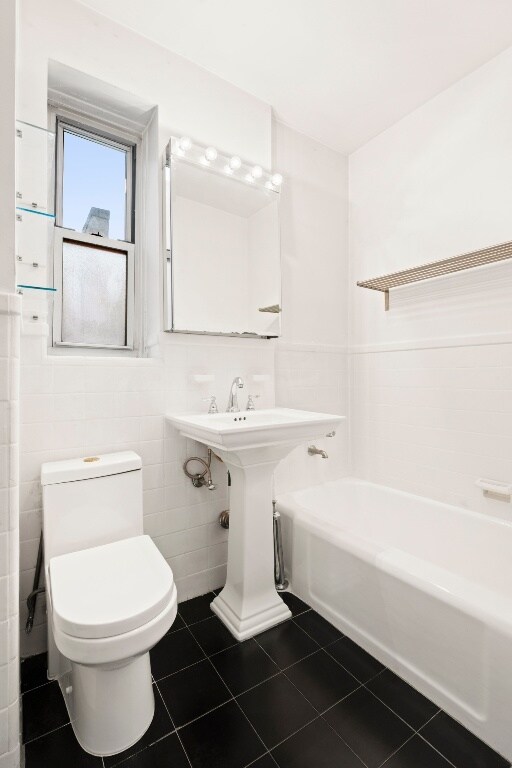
(280, 579)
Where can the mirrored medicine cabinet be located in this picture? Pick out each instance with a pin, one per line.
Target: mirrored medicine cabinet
(222, 272)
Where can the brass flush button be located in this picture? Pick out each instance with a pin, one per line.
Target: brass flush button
(89, 459)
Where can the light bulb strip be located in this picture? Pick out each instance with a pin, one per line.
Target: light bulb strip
(229, 165)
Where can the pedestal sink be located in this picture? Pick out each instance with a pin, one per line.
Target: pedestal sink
(252, 443)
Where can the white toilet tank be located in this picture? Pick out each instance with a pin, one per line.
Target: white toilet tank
(91, 501)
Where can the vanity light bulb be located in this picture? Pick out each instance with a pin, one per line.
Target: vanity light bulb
(277, 179)
(210, 154)
(235, 163)
(184, 143)
(257, 172)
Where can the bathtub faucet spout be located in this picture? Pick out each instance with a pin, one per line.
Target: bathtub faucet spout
(314, 451)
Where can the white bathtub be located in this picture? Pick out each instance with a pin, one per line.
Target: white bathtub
(424, 587)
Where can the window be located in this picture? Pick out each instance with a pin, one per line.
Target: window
(94, 238)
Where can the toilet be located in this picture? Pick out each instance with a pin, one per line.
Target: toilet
(110, 596)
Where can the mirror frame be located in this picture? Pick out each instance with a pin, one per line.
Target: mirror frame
(168, 272)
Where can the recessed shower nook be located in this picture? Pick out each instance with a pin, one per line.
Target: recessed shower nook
(251, 515)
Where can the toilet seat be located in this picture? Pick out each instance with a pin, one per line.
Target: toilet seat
(111, 591)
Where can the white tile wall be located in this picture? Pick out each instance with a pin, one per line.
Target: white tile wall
(314, 378)
(73, 406)
(431, 421)
(9, 531)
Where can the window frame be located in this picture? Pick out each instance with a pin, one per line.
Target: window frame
(92, 132)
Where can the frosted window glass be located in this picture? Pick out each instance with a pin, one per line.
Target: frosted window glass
(93, 294)
(94, 187)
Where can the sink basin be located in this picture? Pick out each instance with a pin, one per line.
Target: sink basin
(254, 429)
(251, 444)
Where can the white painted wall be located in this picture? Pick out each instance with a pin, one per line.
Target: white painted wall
(191, 101)
(432, 378)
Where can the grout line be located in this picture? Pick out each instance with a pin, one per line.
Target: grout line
(189, 666)
(416, 733)
(47, 733)
(233, 698)
(388, 707)
(175, 729)
(423, 738)
(321, 714)
(291, 735)
(327, 645)
(36, 687)
(388, 758)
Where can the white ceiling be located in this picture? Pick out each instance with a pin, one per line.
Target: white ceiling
(340, 71)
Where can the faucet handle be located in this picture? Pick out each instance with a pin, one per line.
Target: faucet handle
(212, 399)
(250, 402)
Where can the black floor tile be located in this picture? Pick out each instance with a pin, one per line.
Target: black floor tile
(221, 739)
(276, 709)
(412, 707)
(167, 753)
(174, 652)
(161, 725)
(416, 754)
(178, 623)
(368, 727)
(244, 666)
(43, 711)
(294, 603)
(59, 749)
(212, 635)
(358, 662)
(315, 746)
(322, 681)
(193, 692)
(33, 672)
(286, 643)
(459, 746)
(196, 609)
(318, 628)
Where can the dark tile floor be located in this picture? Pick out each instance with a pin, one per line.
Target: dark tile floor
(297, 696)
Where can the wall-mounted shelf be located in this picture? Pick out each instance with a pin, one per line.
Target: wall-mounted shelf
(434, 269)
(33, 210)
(21, 287)
(35, 218)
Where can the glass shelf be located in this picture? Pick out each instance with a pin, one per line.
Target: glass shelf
(22, 125)
(35, 210)
(34, 159)
(21, 287)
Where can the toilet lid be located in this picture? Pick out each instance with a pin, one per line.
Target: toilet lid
(111, 589)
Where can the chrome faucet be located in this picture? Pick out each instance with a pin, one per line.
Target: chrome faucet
(233, 395)
(314, 451)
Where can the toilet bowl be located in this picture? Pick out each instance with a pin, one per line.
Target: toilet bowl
(111, 597)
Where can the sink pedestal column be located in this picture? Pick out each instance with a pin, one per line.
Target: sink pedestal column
(249, 603)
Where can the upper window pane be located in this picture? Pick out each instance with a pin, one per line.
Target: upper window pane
(94, 187)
